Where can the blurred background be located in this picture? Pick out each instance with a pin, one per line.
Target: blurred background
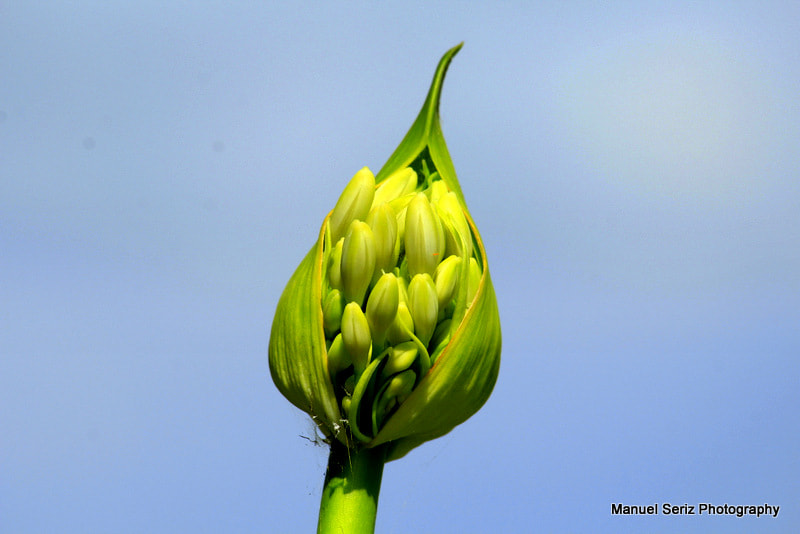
(633, 169)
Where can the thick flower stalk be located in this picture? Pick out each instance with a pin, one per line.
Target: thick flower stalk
(388, 333)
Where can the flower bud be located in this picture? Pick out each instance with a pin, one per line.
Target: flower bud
(458, 237)
(446, 279)
(401, 356)
(335, 265)
(338, 357)
(356, 336)
(424, 306)
(358, 261)
(382, 305)
(332, 310)
(437, 190)
(424, 237)
(383, 222)
(402, 328)
(401, 384)
(397, 185)
(353, 204)
(395, 392)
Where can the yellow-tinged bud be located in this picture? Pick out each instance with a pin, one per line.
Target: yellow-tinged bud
(437, 190)
(356, 336)
(382, 305)
(401, 356)
(446, 279)
(457, 235)
(401, 384)
(338, 357)
(424, 306)
(353, 204)
(358, 261)
(335, 265)
(400, 204)
(383, 222)
(395, 392)
(332, 310)
(397, 185)
(424, 237)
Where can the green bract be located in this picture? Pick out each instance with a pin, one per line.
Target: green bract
(388, 332)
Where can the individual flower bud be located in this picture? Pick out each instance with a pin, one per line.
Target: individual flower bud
(358, 261)
(424, 306)
(401, 384)
(397, 185)
(474, 280)
(353, 204)
(346, 401)
(402, 328)
(400, 358)
(356, 336)
(338, 357)
(446, 279)
(437, 190)
(424, 237)
(457, 235)
(332, 310)
(395, 392)
(383, 222)
(382, 305)
(400, 204)
(335, 265)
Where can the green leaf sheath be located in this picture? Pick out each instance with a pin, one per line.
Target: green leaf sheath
(302, 376)
(350, 495)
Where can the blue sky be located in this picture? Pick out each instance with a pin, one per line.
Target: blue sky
(633, 170)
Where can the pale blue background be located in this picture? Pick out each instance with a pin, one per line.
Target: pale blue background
(634, 172)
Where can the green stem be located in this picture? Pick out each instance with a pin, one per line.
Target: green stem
(350, 496)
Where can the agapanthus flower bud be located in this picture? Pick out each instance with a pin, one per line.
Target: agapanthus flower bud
(332, 310)
(383, 222)
(401, 356)
(395, 392)
(353, 204)
(334, 265)
(395, 186)
(388, 332)
(402, 328)
(446, 279)
(356, 336)
(358, 261)
(436, 191)
(338, 357)
(424, 306)
(382, 306)
(458, 240)
(424, 237)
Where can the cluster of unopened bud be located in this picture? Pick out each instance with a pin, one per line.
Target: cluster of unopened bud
(399, 270)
